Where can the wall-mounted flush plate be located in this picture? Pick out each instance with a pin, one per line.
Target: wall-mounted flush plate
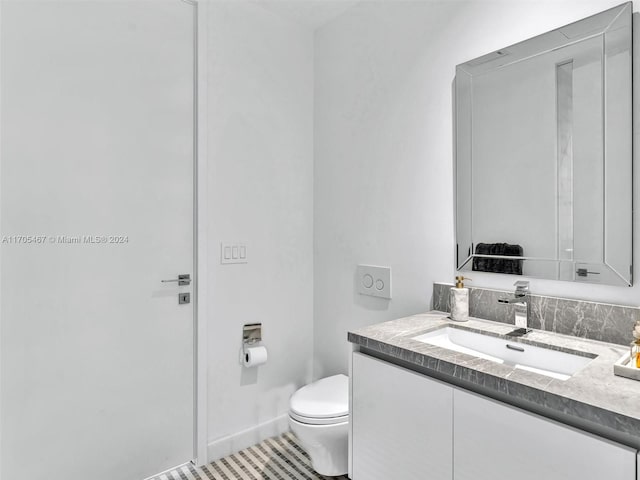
(233, 253)
(374, 281)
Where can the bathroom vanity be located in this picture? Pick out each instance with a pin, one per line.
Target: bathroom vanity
(543, 169)
(425, 410)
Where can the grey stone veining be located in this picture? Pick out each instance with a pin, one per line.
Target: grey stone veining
(578, 318)
(441, 300)
(594, 394)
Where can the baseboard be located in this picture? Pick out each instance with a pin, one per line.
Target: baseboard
(238, 441)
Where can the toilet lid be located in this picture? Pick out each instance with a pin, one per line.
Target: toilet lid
(326, 398)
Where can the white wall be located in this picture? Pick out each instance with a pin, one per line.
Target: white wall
(383, 154)
(260, 189)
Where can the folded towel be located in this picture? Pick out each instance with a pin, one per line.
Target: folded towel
(497, 265)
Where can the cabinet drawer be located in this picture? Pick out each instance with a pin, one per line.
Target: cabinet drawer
(494, 441)
(401, 421)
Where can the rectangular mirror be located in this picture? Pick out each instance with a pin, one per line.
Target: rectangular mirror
(543, 155)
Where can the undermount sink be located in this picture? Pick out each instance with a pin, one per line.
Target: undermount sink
(545, 361)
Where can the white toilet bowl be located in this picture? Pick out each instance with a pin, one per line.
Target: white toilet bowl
(319, 417)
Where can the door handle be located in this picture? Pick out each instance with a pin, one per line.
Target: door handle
(183, 279)
(513, 347)
(583, 272)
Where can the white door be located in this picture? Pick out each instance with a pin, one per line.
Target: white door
(96, 162)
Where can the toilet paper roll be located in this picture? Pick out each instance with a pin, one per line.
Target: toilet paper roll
(255, 356)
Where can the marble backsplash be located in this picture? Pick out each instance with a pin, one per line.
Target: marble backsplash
(579, 318)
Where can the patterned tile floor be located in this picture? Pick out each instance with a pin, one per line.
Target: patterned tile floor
(277, 458)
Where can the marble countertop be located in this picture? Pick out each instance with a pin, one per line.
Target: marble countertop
(593, 395)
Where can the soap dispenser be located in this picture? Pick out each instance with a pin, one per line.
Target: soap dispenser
(459, 300)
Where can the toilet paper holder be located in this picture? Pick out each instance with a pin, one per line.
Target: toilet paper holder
(251, 334)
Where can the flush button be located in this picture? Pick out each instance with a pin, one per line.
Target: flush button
(374, 281)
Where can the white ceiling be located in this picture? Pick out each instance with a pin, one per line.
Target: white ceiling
(309, 13)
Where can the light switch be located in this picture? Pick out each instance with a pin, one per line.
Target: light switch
(233, 252)
(374, 281)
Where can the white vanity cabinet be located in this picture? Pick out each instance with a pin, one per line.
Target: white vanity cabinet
(409, 426)
(494, 441)
(401, 421)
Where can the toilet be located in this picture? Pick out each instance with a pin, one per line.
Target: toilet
(319, 417)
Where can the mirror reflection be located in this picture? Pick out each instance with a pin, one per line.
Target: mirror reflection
(543, 155)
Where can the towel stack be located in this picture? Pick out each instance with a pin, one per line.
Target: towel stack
(497, 265)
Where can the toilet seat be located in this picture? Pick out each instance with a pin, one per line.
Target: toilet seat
(325, 402)
(319, 421)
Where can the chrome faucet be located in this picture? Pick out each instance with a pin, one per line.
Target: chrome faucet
(520, 300)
